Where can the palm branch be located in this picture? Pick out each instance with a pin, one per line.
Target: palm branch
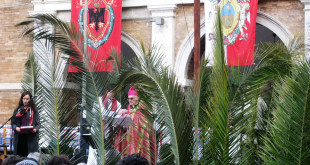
(288, 139)
(231, 108)
(45, 77)
(58, 102)
(30, 80)
(165, 100)
(67, 40)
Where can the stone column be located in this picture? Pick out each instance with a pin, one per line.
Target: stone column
(307, 27)
(210, 18)
(163, 30)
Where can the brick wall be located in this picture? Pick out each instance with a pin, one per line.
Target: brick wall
(13, 52)
(8, 102)
(14, 49)
(140, 30)
(289, 12)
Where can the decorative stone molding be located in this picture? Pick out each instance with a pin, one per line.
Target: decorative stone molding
(10, 86)
(51, 5)
(132, 43)
(139, 3)
(275, 26)
(184, 55)
(60, 5)
(162, 10)
(33, 13)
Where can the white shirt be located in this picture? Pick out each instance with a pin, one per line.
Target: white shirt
(108, 111)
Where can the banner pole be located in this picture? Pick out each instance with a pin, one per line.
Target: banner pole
(83, 121)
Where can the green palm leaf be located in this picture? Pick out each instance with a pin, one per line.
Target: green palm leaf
(232, 106)
(160, 89)
(58, 103)
(288, 140)
(30, 80)
(67, 40)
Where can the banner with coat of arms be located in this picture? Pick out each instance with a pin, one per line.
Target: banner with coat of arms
(104, 19)
(238, 18)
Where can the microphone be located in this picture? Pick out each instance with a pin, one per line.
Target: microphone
(33, 97)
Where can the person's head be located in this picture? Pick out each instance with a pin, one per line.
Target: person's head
(133, 97)
(59, 160)
(82, 163)
(25, 99)
(133, 159)
(12, 160)
(28, 161)
(110, 92)
(34, 155)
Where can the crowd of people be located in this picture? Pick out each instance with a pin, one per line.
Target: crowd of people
(34, 159)
(26, 125)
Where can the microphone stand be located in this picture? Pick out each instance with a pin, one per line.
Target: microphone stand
(12, 117)
(7, 121)
(11, 127)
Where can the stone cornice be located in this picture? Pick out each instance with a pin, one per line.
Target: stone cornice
(62, 5)
(162, 10)
(137, 3)
(307, 4)
(10, 86)
(33, 13)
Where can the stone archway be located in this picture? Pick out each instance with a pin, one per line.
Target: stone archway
(275, 26)
(131, 43)
(184, 54)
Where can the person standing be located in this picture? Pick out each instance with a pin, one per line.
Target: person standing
(139, 136)
(109, 105)
(25, 115)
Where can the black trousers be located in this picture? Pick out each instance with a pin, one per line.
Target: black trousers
(22, 146)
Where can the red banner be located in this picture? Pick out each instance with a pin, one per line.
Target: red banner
(238, 19)
(104, 18)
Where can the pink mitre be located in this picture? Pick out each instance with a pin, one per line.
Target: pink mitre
(133, 91)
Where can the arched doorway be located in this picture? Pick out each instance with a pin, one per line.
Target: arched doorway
(130, 48)
(127, 51)
(268, 29)
(274, 26)
(263, 34)
(190, 70)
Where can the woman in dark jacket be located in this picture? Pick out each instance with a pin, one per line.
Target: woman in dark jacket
(25, 115)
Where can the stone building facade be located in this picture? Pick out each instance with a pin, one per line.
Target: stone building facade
(168, 24)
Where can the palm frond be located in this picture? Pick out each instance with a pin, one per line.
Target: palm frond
(288, 140)
(58, 102)
(30, 80)
(160, 89)
(66, 39)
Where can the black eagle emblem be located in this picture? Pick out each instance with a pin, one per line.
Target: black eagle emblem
(96, 16)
